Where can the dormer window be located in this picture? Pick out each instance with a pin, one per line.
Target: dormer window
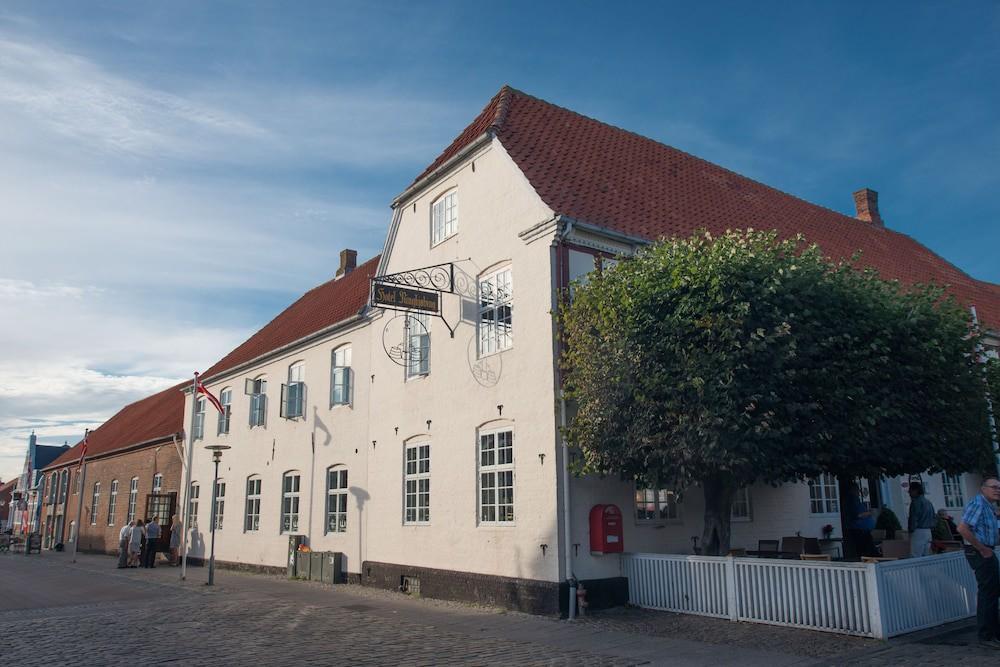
(444, 217)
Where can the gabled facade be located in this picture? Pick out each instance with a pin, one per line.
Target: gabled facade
(435, 456)
(133, 471)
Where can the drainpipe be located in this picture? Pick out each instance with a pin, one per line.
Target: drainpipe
(567, 513)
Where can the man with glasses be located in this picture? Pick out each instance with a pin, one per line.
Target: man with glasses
(979, 528)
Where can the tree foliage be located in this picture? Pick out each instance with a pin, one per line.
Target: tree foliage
(744, 358)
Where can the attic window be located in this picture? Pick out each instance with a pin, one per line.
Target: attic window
(444, 218)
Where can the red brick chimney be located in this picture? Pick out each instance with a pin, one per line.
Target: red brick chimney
(866, 203)
(348, 262)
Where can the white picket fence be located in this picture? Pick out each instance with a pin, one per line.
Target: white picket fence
(871, 600)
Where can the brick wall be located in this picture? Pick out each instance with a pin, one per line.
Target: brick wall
(96, 535)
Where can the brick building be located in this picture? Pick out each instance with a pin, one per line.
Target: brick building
(133, 471)
(6, 496)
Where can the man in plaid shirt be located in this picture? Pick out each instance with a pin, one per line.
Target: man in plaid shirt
(979, 528)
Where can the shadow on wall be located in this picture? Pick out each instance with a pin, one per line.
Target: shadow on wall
(361, 497)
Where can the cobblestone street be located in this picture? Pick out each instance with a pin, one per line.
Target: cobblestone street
(55, 612)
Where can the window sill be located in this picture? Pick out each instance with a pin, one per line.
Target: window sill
(658, 523)
(444, 240)
(418, 377)
(497, 524)
(493, 354)
(742, 519)
(341, 405)
(416, 524)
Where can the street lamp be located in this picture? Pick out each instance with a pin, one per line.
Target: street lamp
(216, 458)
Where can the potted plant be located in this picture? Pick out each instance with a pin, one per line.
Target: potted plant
(889, 522)
(827, 531)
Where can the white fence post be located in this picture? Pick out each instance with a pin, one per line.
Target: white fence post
(874, 600)
(732, 600)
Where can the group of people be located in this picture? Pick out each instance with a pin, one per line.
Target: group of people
(927, 528)
(138, 542)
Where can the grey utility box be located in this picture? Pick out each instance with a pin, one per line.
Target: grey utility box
(303, 563)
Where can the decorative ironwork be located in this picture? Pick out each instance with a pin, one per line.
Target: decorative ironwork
(440, 277)
(402, 352)
(390, 291)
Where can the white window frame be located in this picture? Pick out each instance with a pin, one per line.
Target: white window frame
(342, 376)
(256, 389)
(95, 503)
(251, 513)
(112, 502)
(417, 483)
(495, 478)
(219, 510)
(824, 495)
(157, 483)
(199, 418)
(336, 500)
(133, 497)
(742, 508)
(418, 345)
(225, 417)
(291, 501)
(660, 499)
(953, 491)
(444, 217)
(293, 394)
(496, 303)
(194, 495)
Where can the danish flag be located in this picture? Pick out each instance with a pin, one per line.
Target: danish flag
(211, 399)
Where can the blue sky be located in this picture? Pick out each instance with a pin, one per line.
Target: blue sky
(173, 174)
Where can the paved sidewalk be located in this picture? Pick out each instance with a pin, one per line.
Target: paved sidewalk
(56, 612)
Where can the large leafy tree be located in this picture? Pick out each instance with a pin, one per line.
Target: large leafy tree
(722, 362)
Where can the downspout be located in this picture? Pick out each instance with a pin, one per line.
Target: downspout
(564, 447)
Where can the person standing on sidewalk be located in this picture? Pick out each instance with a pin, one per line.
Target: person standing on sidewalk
(152, 541)
(123, 537)
(979, 527)
(921, 521)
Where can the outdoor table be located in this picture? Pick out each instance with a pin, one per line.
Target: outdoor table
(774, 554)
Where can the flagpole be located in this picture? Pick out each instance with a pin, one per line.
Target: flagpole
(83, 490)
(185, 519)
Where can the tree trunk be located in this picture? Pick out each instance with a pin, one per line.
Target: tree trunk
(845, 491)
(719, 493)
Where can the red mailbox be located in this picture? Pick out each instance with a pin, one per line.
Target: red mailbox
(606, 530)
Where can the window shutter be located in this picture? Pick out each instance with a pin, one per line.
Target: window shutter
(283, 412)
(248, 386)
(349, 385)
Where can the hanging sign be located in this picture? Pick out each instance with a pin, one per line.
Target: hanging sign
(398, 297)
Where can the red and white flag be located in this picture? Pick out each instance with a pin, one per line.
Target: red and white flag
(211, 399)
(83, 450)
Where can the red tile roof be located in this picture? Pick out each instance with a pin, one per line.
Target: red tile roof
(317, 309)
(153, 418)
(605, 176)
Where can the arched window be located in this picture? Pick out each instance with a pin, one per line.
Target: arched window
(251, 521)
(444, 217)
(341, 376)
(220, 504)
(290, 483)
(336, 499)
(193, 494)
(496, 296)
(257, 390)
(199, 418)
(63, 485)
(113, 502)
(417, 482)
(293, 394)
(95, 501)
(133, 494)
(496, 476)
(226, 399)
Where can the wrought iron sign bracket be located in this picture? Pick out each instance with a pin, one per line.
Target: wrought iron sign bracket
(417, 290)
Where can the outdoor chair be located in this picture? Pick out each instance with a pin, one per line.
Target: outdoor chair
(812, 546)
(878, 534)
(793, 545)
(822, 557)
(767, 548)
(895, 548)
(737, 553)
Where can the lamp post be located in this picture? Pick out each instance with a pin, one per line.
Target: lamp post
(216, 458)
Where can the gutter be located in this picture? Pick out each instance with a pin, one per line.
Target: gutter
(567, 228)
(482, 139)
(235, 370)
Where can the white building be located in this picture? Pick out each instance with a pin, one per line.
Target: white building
(428, 447)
